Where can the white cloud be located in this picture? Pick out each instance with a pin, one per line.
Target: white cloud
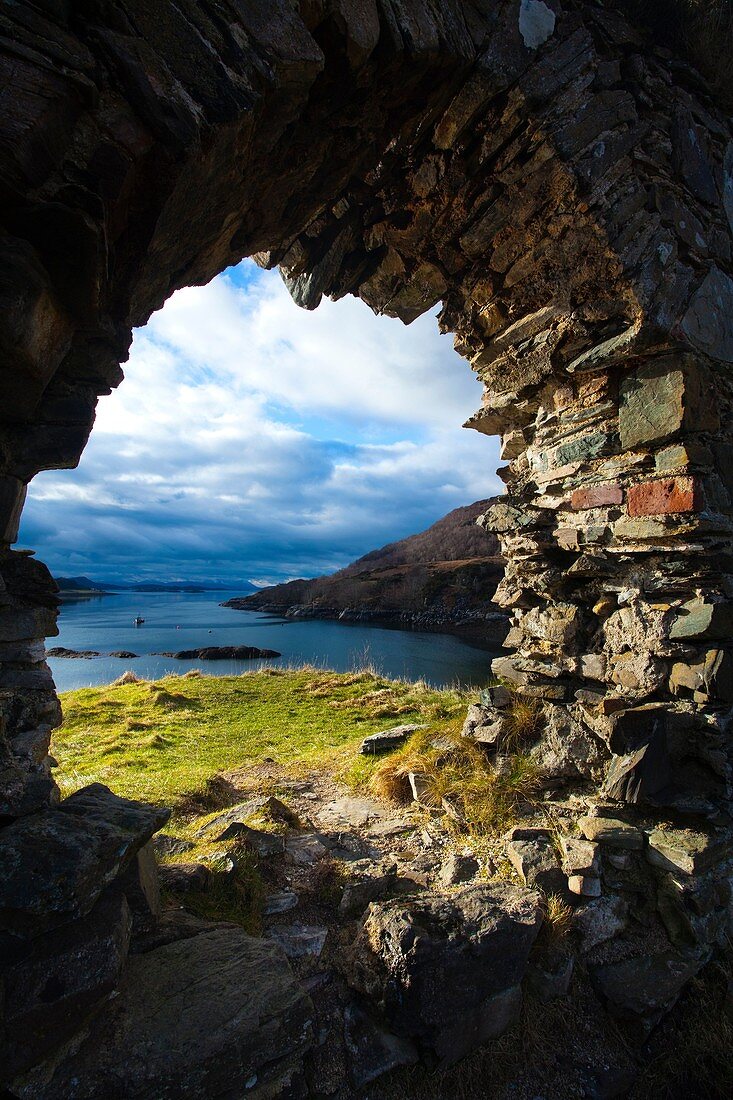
(251, 438)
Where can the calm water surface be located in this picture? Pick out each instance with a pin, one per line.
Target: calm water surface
(189, 621)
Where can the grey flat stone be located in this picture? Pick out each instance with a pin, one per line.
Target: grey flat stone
(282, 901)
(386, 740)
(191, 1018)
(607, 830)
(306, 848)
(262, 843)
(351, 810)
(686, 850)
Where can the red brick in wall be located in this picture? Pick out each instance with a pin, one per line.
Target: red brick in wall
(660, 497)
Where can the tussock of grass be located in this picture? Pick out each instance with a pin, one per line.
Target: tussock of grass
(557, 919)
(458, 770)
(165, 742)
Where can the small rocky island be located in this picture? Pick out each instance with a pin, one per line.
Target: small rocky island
(221, 653)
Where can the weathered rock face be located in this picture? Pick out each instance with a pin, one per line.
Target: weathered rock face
(216, 1014)
(447, 971)
(561, 185)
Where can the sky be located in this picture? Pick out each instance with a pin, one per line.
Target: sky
(252, 440)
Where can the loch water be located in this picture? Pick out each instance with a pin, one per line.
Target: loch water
(175, 621)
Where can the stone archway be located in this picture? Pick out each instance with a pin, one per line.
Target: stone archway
(560, 185)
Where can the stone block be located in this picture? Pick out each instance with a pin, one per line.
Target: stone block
(141, 887)
(484, 724)
(688, 851)
(708, 322)
(586, 886)
(662, 398)
(580, 857)
(185, 878)
(12, 498)
(699, 618)
(535, 861)
(607, 830)
(600, 921)
(596, 496)
(54, 865)
(664, 496)
(643, 989)
(580, 449)
(386, 740)
(51, 985)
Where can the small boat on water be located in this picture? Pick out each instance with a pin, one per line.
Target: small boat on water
(138, 621)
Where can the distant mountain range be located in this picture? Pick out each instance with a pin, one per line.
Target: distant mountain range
(83, 586)
(441, 579)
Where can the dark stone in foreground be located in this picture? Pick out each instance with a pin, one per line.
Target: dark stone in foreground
(642, 990)
(217, 1014)
(185, 878)
(51, 984)
(221, 653)
(447, 971)
(54, 865)
(373, 1050)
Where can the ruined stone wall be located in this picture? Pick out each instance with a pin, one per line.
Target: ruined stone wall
(561, 185)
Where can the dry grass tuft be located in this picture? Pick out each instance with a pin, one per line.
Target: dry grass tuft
(137, 724)
(523, 723)
(486, 793)
(128, 677)
(557, 918)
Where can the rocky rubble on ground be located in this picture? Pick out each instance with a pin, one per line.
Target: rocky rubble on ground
(389, 937)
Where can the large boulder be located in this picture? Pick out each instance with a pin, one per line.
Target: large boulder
(446, 971)
(218, 1014)
(55, 865)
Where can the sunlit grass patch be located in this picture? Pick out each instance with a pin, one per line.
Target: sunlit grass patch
(169, 741)
(455, 770)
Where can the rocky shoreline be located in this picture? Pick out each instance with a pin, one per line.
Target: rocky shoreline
(481, 628)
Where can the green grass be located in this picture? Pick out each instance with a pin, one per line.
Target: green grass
(166, 741)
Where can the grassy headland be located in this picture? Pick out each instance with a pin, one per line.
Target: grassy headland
(165, 741)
